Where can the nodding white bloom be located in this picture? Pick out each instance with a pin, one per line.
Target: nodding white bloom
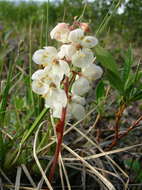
(76, 108)
(92, 72)
(76, 111)
(89, 41)
(76, 35)
(56, 99)
(78, 99)
(40, 87)
(60, 32)
(45, 56)
(38, 74)
(40, 84)
(67, 51)
(42, 79)
(81, 86)
(59, 69)
(82, 57)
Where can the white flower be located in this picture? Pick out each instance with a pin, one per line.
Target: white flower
(40, 84)
(82, 58)
(75, 108)
(89, 42)
(57, 110)
(66, 51)
(60, 32)
(40, 87)
(38, 74)
(76, 111)
(81, 86)
(45, 56)
(76, 35)
(56, 99)
(42, 79)
(78, 99)
(92, 72)
(60, 68)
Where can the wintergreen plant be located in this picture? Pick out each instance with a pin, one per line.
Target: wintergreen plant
(67, 75)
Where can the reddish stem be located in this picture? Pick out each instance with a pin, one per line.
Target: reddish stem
(120, 136)
(117, 126)
(117, 122)
(59, 131)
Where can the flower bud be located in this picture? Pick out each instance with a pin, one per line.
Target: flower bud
(60, 32)
(85, 27)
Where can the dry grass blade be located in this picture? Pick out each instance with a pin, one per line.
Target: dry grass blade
(61, 176)
(104, 153)
(65, 172)
(18, 178)
(1, 186)
(99, 175)
(28, 175)
(99, 148)
(37, 161)
(67, 131)
(5, 177)
(42, 179)
(22, 187)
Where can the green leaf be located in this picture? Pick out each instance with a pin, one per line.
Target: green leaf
(106, 59)
(100, 90)
(115, 81)
(137, 96)
(128, 61)
(34, 126)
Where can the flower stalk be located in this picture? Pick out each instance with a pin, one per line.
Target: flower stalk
(59, 131)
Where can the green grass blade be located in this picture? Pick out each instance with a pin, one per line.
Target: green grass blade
(33, 127)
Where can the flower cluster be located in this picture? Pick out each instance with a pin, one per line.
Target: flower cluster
(73, 60)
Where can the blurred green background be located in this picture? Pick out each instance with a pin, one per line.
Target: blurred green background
(125, 26)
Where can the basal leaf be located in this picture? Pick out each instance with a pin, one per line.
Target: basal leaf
(128, 61)
(115, 81)
(137, 96)
(106, 59)
(100, 90)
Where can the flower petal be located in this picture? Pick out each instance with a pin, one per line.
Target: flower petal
(76, 35)
(92, 72)
(57, 110)
(60, 32)
(78, 99)
(66, 51)
(60, 69)
(82, 58)
(78, 111)
(45, 56)
(89, 42)
(38, 74)
(39, 87)
(55, 96)
(80, 86)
